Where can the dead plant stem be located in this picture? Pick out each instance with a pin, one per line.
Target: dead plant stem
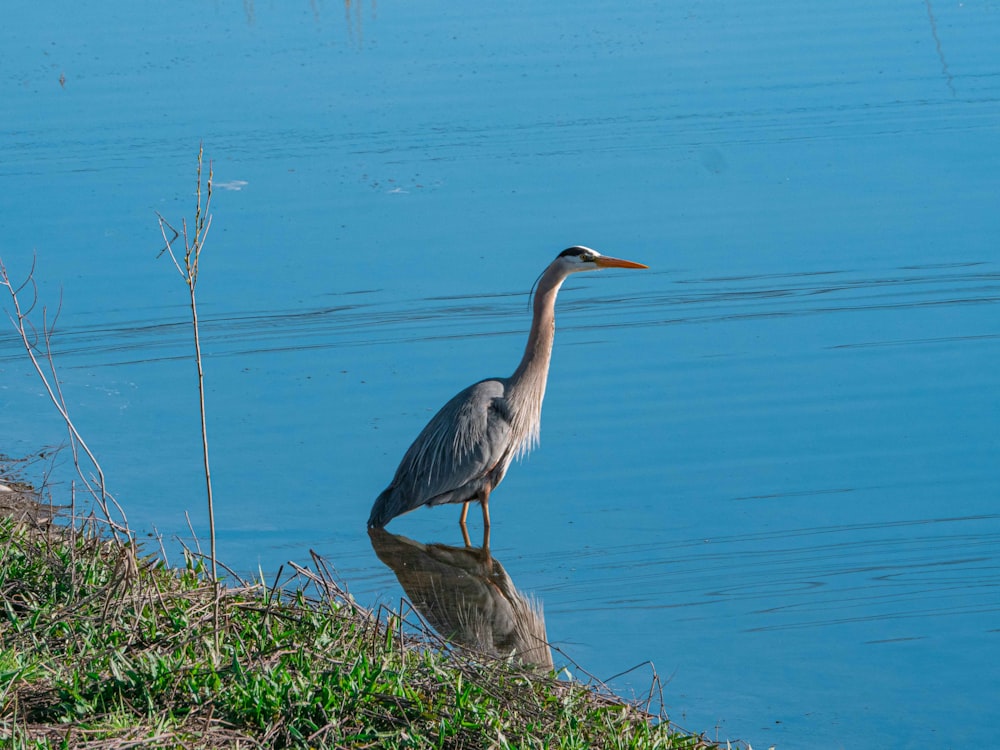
(193, 246)
(34, 349)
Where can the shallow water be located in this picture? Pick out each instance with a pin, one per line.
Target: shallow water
(768, 464)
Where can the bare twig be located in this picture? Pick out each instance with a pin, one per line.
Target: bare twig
(193, 245)
(40, 348)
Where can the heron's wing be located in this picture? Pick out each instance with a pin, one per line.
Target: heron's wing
(465, 441)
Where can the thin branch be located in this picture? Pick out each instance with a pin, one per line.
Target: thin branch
(193, 246)
(36, 347)
(168, 247)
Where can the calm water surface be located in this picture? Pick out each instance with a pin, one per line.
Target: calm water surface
(769, 465)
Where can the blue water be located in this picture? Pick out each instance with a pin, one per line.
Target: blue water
(768, 464)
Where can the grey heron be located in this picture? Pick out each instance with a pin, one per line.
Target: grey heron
(465, 450)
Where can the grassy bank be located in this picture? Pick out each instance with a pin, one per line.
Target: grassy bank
(103, 647)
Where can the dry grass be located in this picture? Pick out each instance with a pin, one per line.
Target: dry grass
(101, 647)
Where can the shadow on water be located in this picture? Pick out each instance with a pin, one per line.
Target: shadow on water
(467, 596)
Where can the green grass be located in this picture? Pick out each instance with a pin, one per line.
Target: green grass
(101, 647)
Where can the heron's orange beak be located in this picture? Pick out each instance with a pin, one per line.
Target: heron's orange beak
(605, 262)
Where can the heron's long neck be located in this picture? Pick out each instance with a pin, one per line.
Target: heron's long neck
(526, 387)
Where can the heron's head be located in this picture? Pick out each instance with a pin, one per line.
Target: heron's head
(581, 258)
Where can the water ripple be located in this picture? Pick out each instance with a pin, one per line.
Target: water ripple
(368, 318)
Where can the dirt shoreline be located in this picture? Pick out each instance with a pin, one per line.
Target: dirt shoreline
(21, 501)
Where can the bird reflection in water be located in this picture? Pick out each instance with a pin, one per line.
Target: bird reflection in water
(467, 596)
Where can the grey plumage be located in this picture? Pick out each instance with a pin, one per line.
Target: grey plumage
(465, 450)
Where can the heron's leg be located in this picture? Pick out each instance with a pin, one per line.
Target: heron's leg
(486, 509)
(485, 502)
(462, 526)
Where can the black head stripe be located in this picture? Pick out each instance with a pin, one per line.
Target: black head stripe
(573, 251)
